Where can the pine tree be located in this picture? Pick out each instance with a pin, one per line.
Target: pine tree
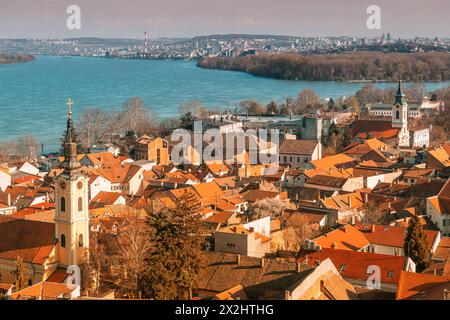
(416, 245)
(21, 279)
(176, 257)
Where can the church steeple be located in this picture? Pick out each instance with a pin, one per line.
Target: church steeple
(400, 96)
(71, 204)
(70, 146)
(400, 116)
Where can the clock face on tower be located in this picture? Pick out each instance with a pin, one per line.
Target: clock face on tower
(62, 184)
(79, 185)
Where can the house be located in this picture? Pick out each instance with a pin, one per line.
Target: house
(27, 167)
(332, 183)
(347, 205)
(359, 150)
(299, 153)
(209, 193)
(275, 279)
(419, 137)
(5, 178)
(251, 240)
(347, 237)
(98, 183)
(7, 210)
(34, 242)
(414, 286)
(439, 159)
(438, 209)
(333, 161)
(152, 149)
(217, 168)
(47, 291)
(354, 266)
(98, 159)
(104, 198)
(411, 176)
(390, 239)
(124, 177)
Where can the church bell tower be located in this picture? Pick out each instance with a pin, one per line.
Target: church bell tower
(71, 204)
(400, 116)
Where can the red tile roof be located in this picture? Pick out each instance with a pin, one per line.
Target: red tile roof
(354, 265)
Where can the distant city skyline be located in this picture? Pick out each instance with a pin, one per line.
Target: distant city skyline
(178, 18)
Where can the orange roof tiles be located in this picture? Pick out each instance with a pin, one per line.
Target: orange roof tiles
(331, 161)
(104, 198)
(352, 264)
(44, 290)
(345, 238)
(411, 284)
(392, 236)
(441, 155)
(32, 240)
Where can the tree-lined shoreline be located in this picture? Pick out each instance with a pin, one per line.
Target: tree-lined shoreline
(10, 58)
(355, 66)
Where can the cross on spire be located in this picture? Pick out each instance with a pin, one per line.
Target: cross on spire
(69, 105)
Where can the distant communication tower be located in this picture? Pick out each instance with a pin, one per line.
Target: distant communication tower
(145, 42)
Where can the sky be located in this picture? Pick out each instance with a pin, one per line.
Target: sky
(188, 18)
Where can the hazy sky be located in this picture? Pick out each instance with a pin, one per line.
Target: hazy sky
(186, 18)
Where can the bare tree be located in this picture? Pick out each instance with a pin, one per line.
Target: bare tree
(94, 126)
(373, 214)
(297, 229)
(251, 107)
(268, 207)
(26, 147)
(194, 108)
(133, 246)
(305, 100)
(135, 117)
(93, 269)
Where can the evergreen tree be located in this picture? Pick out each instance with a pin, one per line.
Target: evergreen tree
(272, 108)
(416, 245)
(21, 279)
(176, 257)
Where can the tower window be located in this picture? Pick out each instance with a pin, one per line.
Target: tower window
(63, 241)
(397, 114)
(80, 240)
(80, 203)
(63, 204)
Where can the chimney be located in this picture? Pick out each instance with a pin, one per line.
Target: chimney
(238, 259)
(9, 199)
(298, 267)
(263, 262)
(373, 228)
(353, 220)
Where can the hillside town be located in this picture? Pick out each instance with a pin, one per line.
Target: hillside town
(282, 216)
(228, 45)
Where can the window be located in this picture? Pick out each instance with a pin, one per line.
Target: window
(63, 241)
(62, 204)
(343, 267)
(80, 240)
(397, 115)
(80, 204)
(391, 274)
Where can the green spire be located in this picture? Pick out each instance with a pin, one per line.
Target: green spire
(400, 96)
